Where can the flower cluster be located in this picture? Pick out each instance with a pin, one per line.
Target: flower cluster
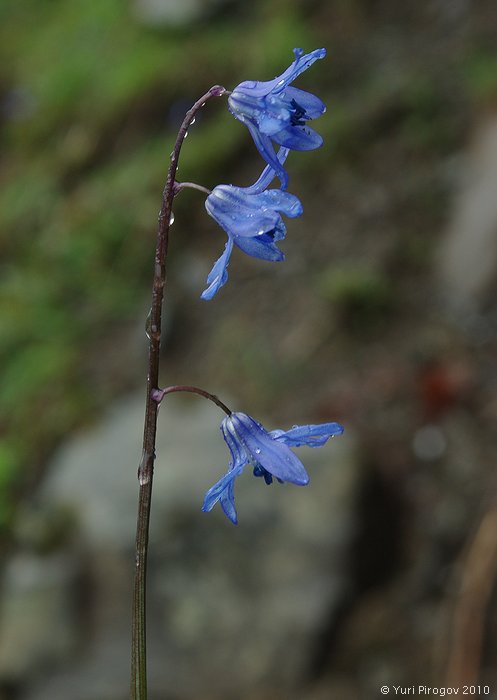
(275, 113)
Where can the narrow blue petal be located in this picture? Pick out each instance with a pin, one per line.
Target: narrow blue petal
(238, 454)
(274, 456)
(298, 138)
(223, 490)
(213, 495)
(268, 174)
(302, 62)
(219, 274)
(266, 149)
(227, 502)
(310, 435)
(259, 88)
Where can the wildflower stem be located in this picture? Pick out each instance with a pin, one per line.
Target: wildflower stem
(159, 394)
(146, 468)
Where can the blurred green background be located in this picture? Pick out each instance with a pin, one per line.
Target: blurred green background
(369, 321)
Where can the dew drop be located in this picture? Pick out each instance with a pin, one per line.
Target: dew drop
(257, 451)
(171, 219)
(148, 323)
(143, 478)
(143, 472)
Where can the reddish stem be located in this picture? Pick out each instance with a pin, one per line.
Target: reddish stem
(146, 468)
(158, 395)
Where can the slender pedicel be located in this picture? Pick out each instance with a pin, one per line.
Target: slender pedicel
(158, 395)
(178, 186)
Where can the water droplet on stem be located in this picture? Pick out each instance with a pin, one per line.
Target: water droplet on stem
(148, 324)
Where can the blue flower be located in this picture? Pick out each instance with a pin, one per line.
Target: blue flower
(275, 112)
(251, 216)
(269, 453)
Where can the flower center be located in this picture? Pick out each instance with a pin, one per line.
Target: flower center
(297, 114)
(260, 471)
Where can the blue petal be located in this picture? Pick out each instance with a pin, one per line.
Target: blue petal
(259, 88)
(268, 174)
(223, 490)
(298, 138)
(219, 274)
(274, 456)
(227, 502)
(262, 246)
(284, 202)
(239, 213)
(276, 115)
(302, 62)
(265, 147)
(238, 455)
(310, 435)
(312, 105)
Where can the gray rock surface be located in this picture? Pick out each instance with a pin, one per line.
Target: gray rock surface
(38, 619)
(468, 252)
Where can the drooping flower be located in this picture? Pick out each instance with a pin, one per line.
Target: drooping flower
(251, 216)
(275, 112)
(268, 452)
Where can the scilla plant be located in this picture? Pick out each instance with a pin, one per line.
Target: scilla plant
(276, 115)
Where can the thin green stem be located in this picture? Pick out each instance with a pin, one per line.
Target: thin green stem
(146, 468)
